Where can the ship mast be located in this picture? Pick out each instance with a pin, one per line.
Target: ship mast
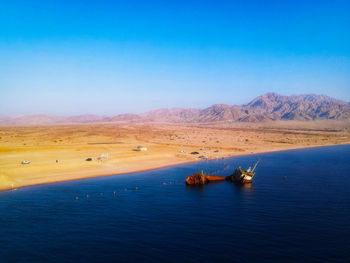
(255, 165)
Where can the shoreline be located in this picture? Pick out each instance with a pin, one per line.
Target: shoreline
(169, 164)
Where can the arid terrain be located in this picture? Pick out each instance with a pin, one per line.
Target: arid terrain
(59, 152)
(267, 107)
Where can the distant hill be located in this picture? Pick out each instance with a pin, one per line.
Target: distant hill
(29, 119)
(267, 107)
(270, 106)
(298, 107)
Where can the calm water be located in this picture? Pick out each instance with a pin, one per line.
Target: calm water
(297, 210)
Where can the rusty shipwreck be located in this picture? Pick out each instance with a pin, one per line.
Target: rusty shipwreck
(243, 176)
(202, 178)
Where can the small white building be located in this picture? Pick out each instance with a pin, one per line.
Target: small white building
(141, 148)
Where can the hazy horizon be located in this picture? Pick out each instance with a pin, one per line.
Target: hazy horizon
(107, 58)
(121, 113)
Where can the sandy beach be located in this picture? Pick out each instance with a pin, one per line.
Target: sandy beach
(58, 153)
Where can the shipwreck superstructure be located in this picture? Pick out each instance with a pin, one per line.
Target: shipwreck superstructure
(243, 176)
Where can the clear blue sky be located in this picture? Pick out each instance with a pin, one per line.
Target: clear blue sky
(110, 57)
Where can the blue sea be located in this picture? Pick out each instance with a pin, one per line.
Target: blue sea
(296, 210)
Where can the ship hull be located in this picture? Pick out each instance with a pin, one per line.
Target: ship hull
(241, 176)
(247, 181)
(212, 178)
(200, 178)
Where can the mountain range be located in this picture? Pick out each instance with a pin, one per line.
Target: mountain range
(267, 107)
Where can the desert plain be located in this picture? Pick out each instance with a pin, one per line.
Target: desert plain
(58, 152)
